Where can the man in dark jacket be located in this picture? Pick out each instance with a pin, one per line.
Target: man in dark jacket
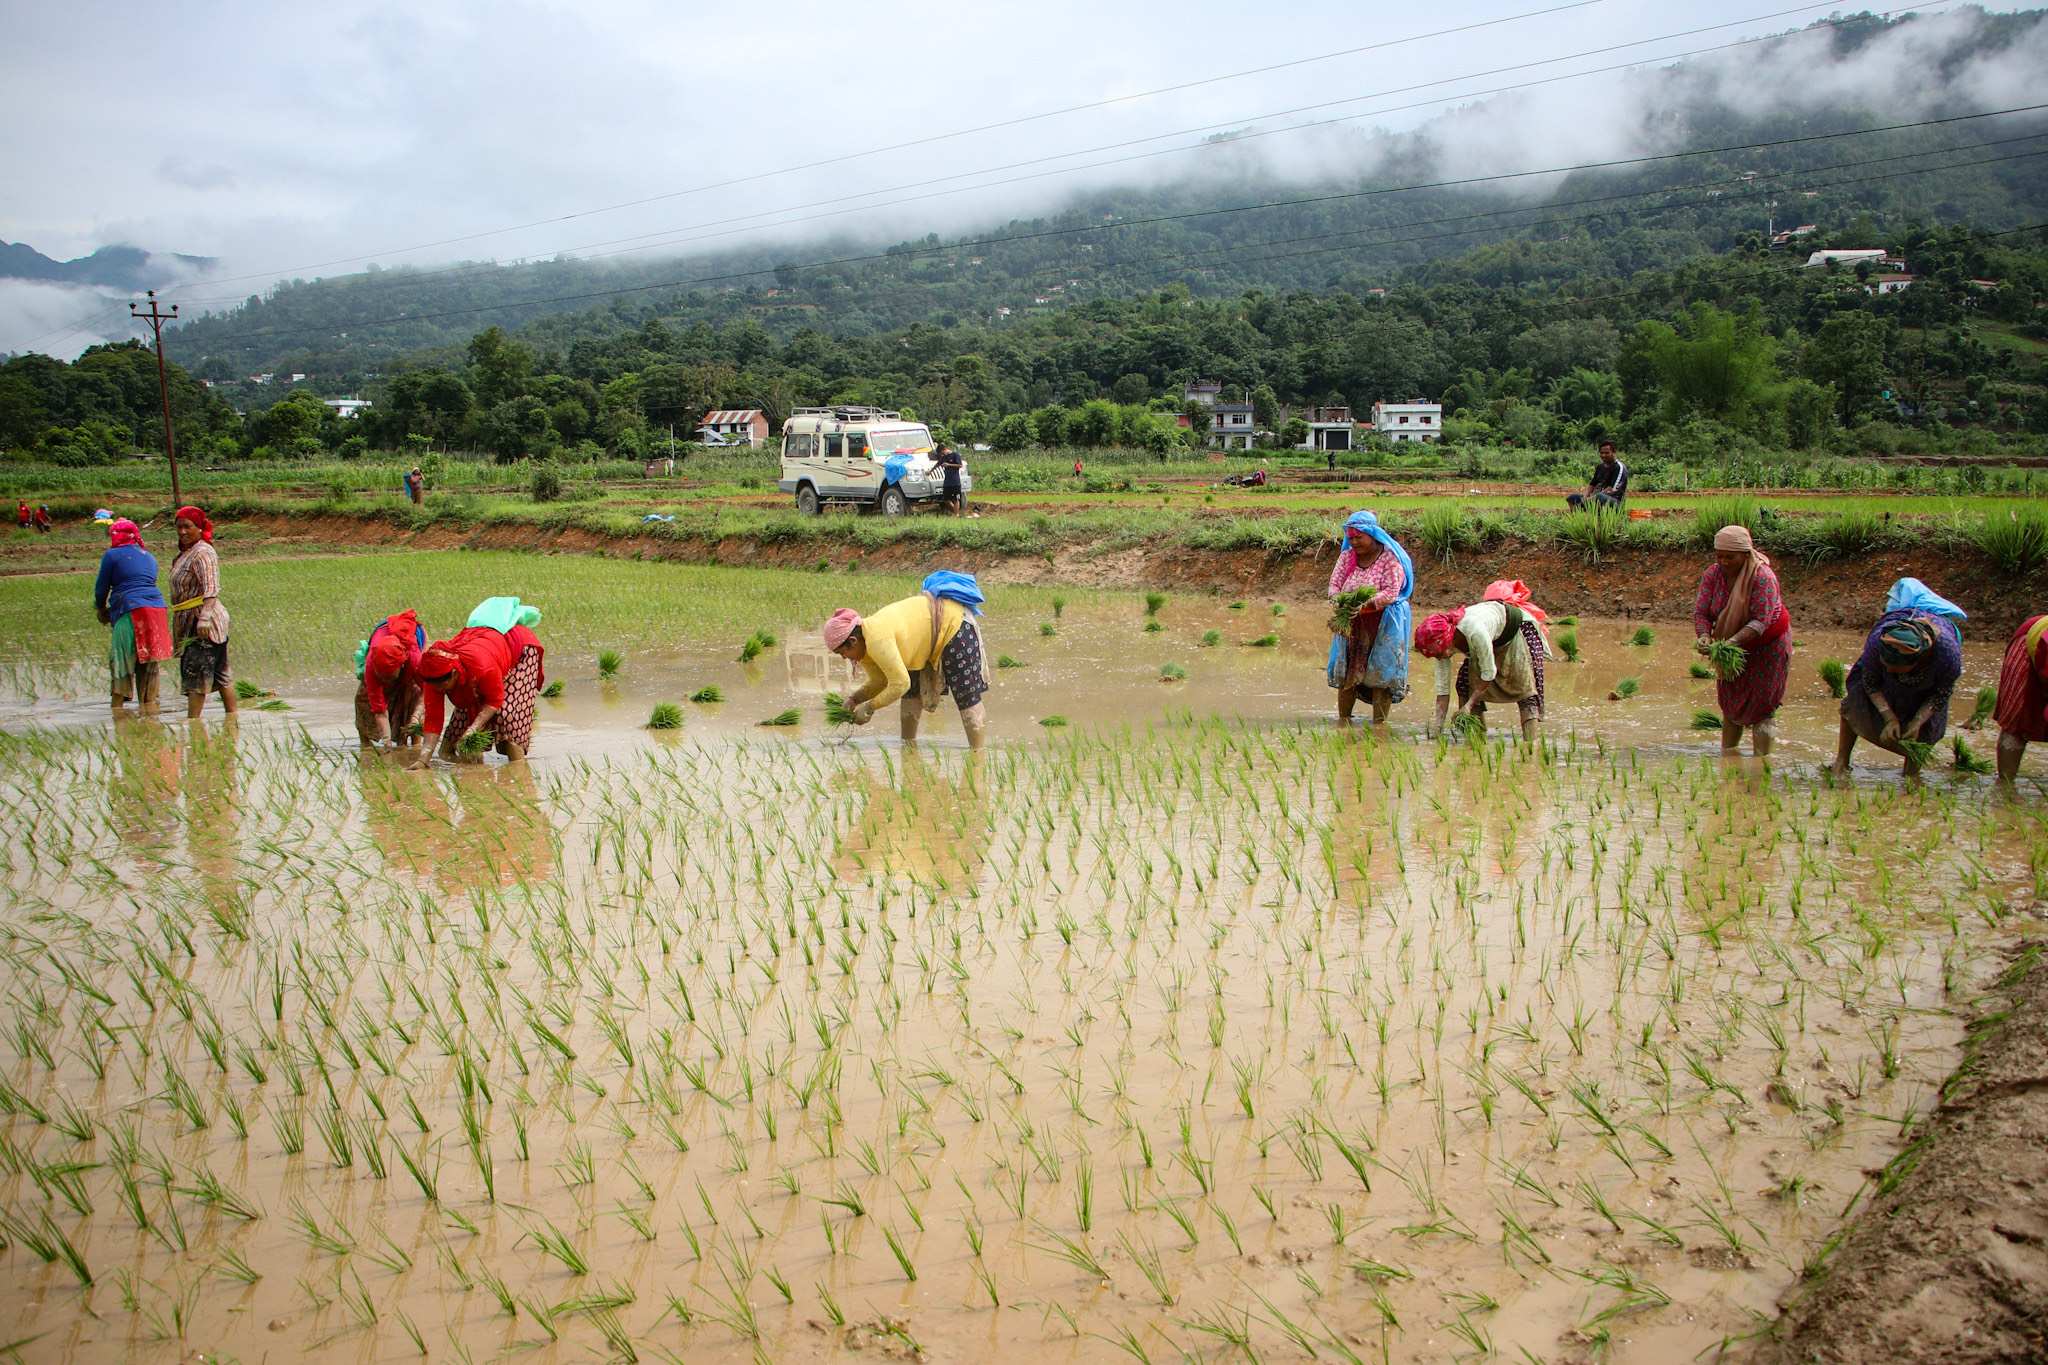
(1609, 484)
(949, 460)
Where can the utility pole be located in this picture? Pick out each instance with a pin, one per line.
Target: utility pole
(156, 318)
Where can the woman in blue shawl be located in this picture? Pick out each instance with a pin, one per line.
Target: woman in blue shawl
(1370, 651)
(1901, 685)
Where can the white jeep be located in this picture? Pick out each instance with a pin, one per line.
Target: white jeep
(864, 456)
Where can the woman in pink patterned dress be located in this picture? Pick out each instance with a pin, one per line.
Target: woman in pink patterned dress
(1370, 665)
(1739, 601)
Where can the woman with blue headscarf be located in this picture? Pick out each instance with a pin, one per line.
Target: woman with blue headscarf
(1900, 687)
(1371, 654)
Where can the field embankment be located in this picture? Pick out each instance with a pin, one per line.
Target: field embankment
(1655, 583)
(1949, 1261)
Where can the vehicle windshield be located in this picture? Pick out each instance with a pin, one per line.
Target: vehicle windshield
(900, 441)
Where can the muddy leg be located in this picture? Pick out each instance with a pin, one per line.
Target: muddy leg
(1731, 738)
(1347, 701)
(1762, 736)
(907, 717)
(1382, 703)
(974, 720)
(1845, 741)
(2011, 749)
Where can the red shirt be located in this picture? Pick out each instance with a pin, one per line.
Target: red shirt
(482, 659)
(407, 674)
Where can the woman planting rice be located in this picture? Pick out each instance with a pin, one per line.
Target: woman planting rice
(1504, 649)
(127, 599)
(929, 635)
(1739, 606)
(1373, 655)
(2022, 711)
(199, 623)
(1900, 687)
(491, 671)
(389, 699)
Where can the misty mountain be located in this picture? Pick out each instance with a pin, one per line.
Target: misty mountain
(111, 267)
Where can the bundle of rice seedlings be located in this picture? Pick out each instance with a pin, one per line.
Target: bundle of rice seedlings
(1835, 674)
(553, 689)
(1729, 657)
(1987, 702)
(608, 662)
(1153, 602)
(1172, 673)
(1566, 621)
(790, 717)
(1264, 642)
(1700, 670)
(1238, 605)
(1706, 720)
(1349, 604)
(1921, 752)
(706, 696)
(245, 690)
(1047, 628)
(758, 641)
(275, 704)
(1568, 645)
(1212, 637)
(1153, 627)
(837, 712)
(666, 716)
(1643, 636)
(1967, 762)
(1279, 609)
(1008, 661)
(475, 742)
(1627, 687)
(1054, 722)
(1059, 604)
(1465, 725)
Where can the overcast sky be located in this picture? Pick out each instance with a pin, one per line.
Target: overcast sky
(304, 140)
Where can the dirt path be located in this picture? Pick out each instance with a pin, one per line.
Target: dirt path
(1949, 1263)
(1656, 585)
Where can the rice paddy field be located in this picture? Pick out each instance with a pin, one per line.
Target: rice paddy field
(1196, 1028)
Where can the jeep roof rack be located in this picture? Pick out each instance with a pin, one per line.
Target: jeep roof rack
(848, 412)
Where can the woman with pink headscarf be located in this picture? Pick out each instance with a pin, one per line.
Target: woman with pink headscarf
(1504, 647)
(1739, 602)
(127, 598)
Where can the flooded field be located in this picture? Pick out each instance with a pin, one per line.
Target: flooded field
(1197, 1028)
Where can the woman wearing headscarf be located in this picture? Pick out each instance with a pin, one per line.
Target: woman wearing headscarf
(1901, 684)
(491, 675)
(126, 598)
(2022, 711)
(1504, 648)
(916, 651)
(1739, 601)
(1373, 655)
(199, 623)
(389, 697)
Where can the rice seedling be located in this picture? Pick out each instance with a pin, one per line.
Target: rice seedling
(1059, 605)
(708, 696)
(274, 704)
(1264, 642)
(1008, 661)
(475, 742)
(1706, 720)
(1643, 636)
(1626, 688)
(1987, 703)
(1171, 672)
(1919, 751)
(609, 662)
(1153, 627)
(666, 715)
(1153, 602)
(1728, 657)
(1053, 722)
(1568, 645)
(837, 712)
(554, 689)
(784, 718)
(1966, 761)
(1238, 605)
(248, 691)
(1047, 629)
(1698, 670)
(1211, 638)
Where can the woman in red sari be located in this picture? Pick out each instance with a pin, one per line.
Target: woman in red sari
(492, 679)
(2022, 712)
(389, 699)
(1739, 601)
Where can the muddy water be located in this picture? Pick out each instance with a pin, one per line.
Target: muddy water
(754, 1046)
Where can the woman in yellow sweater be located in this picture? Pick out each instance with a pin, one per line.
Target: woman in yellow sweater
(915, 651)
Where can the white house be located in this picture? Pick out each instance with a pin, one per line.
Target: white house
(1416, 421)
(1231, 425)
(346, 407)
(1203, 391)
(745, 423)
(1889, 284)
(1849, 256)
(1328, 428)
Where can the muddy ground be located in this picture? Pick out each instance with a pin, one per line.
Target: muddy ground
(1656, 585)
(1949, 1265)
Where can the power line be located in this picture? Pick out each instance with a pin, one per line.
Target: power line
(1463, 182)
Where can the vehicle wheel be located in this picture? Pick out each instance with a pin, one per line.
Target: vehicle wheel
(807, 500)
(893, 503)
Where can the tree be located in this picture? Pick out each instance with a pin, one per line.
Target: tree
(1049, 425)
(502, 366)
(1131, 388)
(1095, 424)
(1200, 419)
(1721, 366)
(1848, 354)
(1265, 407)
(1013, 433)
(1295, 434)
(1585, 394)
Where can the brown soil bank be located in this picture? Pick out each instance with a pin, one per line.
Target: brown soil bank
(1655, 585)
(1949, 1263)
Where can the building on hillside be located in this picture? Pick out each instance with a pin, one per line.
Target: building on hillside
(1231, 426)
(1203, 391)
(745, 424)
(1849, 256)
(1889, 284)
(1412, 421)
(346, 407)
(1328, 428)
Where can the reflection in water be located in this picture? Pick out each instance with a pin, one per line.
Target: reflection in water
(477, 826)
(142, 800)
(211, 778)
(923, 819)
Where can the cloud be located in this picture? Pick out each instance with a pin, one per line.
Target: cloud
(176, 170)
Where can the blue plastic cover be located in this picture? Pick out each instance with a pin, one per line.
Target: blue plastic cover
(503, 613)
(956, 587)
(1910, 594)
(894, 468)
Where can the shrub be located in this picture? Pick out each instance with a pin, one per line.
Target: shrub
(1441, 529)
(2016, 542)
(546, 484)
(1730, 510)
